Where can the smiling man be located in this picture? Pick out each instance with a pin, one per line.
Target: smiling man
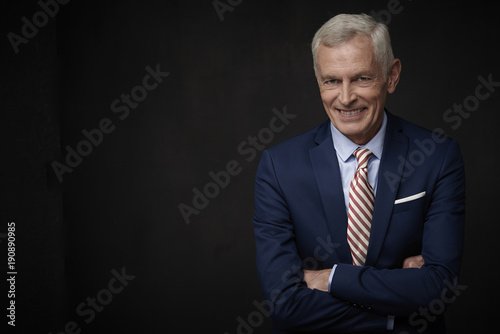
(393, 232)
(353, 87)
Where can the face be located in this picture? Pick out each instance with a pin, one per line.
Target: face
(353, 87)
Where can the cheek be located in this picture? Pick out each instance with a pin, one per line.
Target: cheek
(374, 94)
(328, 97)
(370, 97)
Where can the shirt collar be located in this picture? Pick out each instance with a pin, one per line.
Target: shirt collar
(345, 147)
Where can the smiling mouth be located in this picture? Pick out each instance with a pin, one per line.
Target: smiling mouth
(350, 112)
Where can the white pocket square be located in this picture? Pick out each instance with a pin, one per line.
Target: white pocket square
(410, 198)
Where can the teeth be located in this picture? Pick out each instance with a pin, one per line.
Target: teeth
(350, 112)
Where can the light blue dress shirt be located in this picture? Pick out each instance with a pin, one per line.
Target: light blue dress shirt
(347, 161)
(348, 164)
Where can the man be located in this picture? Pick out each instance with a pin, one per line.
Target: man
(359, 221)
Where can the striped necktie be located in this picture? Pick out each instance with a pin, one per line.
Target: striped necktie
(361, 201)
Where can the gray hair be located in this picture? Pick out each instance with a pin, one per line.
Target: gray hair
(343, 27)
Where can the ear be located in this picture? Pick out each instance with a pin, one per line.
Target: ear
(393, 76)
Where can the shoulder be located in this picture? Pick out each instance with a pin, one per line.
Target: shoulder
(416, 133)
(295, 152)
(302, 142)
(424, 143)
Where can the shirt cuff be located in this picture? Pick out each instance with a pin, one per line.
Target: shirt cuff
(331, 277)
(390, 323)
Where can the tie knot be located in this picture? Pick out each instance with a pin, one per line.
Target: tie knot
(362, 155)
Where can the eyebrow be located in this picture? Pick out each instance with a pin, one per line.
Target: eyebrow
(363, 73)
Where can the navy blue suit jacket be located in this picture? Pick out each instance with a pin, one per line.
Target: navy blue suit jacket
(301, 223)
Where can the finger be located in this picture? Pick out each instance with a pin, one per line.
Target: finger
(414, 264)
(409, 263)
(309, 276)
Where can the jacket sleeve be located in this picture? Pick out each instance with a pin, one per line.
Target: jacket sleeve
(292, 305)
(403, 291)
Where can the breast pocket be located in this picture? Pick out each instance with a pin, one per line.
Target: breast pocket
(416, 204)
(406, 228)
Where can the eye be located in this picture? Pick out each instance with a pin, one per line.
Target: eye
(363, 79)
(332, 82)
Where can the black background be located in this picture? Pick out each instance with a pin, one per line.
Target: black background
(119, 207)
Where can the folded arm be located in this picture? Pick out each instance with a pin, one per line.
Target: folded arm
(293, 305)
(442, 239)
(376, 292)
(415, 286)
(320, 279)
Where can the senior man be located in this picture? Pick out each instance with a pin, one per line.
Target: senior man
(359, 221)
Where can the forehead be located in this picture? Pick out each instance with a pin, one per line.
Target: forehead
(354, 56)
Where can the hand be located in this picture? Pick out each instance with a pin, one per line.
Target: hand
(317, 279)
(413, 262)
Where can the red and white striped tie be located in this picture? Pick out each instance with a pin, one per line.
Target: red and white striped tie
(361, 201)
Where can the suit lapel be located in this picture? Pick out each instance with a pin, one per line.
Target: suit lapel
(326, 169)
(389, 179)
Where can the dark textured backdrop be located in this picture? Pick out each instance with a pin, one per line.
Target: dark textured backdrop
(117, 212)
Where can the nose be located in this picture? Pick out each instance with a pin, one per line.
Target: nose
(346, 95)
